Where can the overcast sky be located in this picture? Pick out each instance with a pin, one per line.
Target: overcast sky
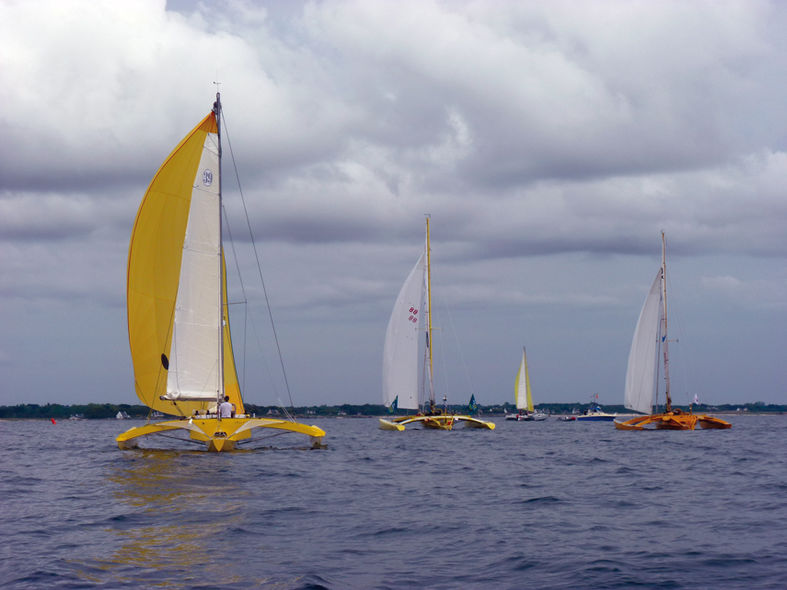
(551, 142)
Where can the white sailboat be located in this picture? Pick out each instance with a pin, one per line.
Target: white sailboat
(650, 337)
(178, 321)
(523, 397)
(410, 319)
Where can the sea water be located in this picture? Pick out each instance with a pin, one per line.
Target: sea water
(529, 505)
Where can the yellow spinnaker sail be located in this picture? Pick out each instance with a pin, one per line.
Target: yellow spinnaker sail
(154, 263)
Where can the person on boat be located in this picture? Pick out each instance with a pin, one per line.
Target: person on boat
(226, 409)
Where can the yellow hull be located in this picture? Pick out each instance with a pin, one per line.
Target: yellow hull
(672, 421)
(388, 425)
(218, 435)
(439, 422)
(471, 422)
(435, 422)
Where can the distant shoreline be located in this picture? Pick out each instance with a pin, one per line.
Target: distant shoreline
(371, 417)
(110, 411)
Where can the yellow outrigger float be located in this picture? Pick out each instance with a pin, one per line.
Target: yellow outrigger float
(178, 322)
(643, 364)
(400, 356)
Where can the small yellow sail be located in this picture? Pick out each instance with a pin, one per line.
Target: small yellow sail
(154, 263)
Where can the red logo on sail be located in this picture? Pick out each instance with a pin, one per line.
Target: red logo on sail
(413, 315)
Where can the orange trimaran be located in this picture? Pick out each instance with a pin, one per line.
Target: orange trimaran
(643, 363)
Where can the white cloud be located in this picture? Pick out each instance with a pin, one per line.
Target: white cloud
(551, 142)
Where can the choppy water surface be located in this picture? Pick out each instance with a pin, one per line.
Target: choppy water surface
(537, 505)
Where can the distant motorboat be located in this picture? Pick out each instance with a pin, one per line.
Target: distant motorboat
(525, 416)
(594, 414)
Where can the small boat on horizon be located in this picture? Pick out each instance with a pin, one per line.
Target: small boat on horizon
(523, 397)
(592, 414)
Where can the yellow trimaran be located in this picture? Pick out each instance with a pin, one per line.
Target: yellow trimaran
(400, 355)
(178, 322)
(643, 363)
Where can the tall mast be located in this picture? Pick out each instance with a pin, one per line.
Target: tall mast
(220, 391)
(664, 338)
(528, 394)
(429, 307)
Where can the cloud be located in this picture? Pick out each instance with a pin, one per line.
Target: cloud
(550, 142)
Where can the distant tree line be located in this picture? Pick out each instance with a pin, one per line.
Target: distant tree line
(102, 411)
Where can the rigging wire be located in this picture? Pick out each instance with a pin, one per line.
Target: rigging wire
(683, 369)
(247, 315)
(259, 263)
(255, 332)
(452, 328)
(244, 300)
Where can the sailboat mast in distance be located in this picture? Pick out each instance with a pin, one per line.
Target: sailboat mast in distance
(664, 338)
(429, 313)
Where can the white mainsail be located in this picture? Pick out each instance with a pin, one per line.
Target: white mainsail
(640, 393)
(522, 396)
(195, 367)
(400, 352)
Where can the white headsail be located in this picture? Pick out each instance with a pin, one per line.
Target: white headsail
(400, 352)
(523, 398)
(640, 394)
(194, 363)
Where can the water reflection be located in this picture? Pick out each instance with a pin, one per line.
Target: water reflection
(176, 513)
